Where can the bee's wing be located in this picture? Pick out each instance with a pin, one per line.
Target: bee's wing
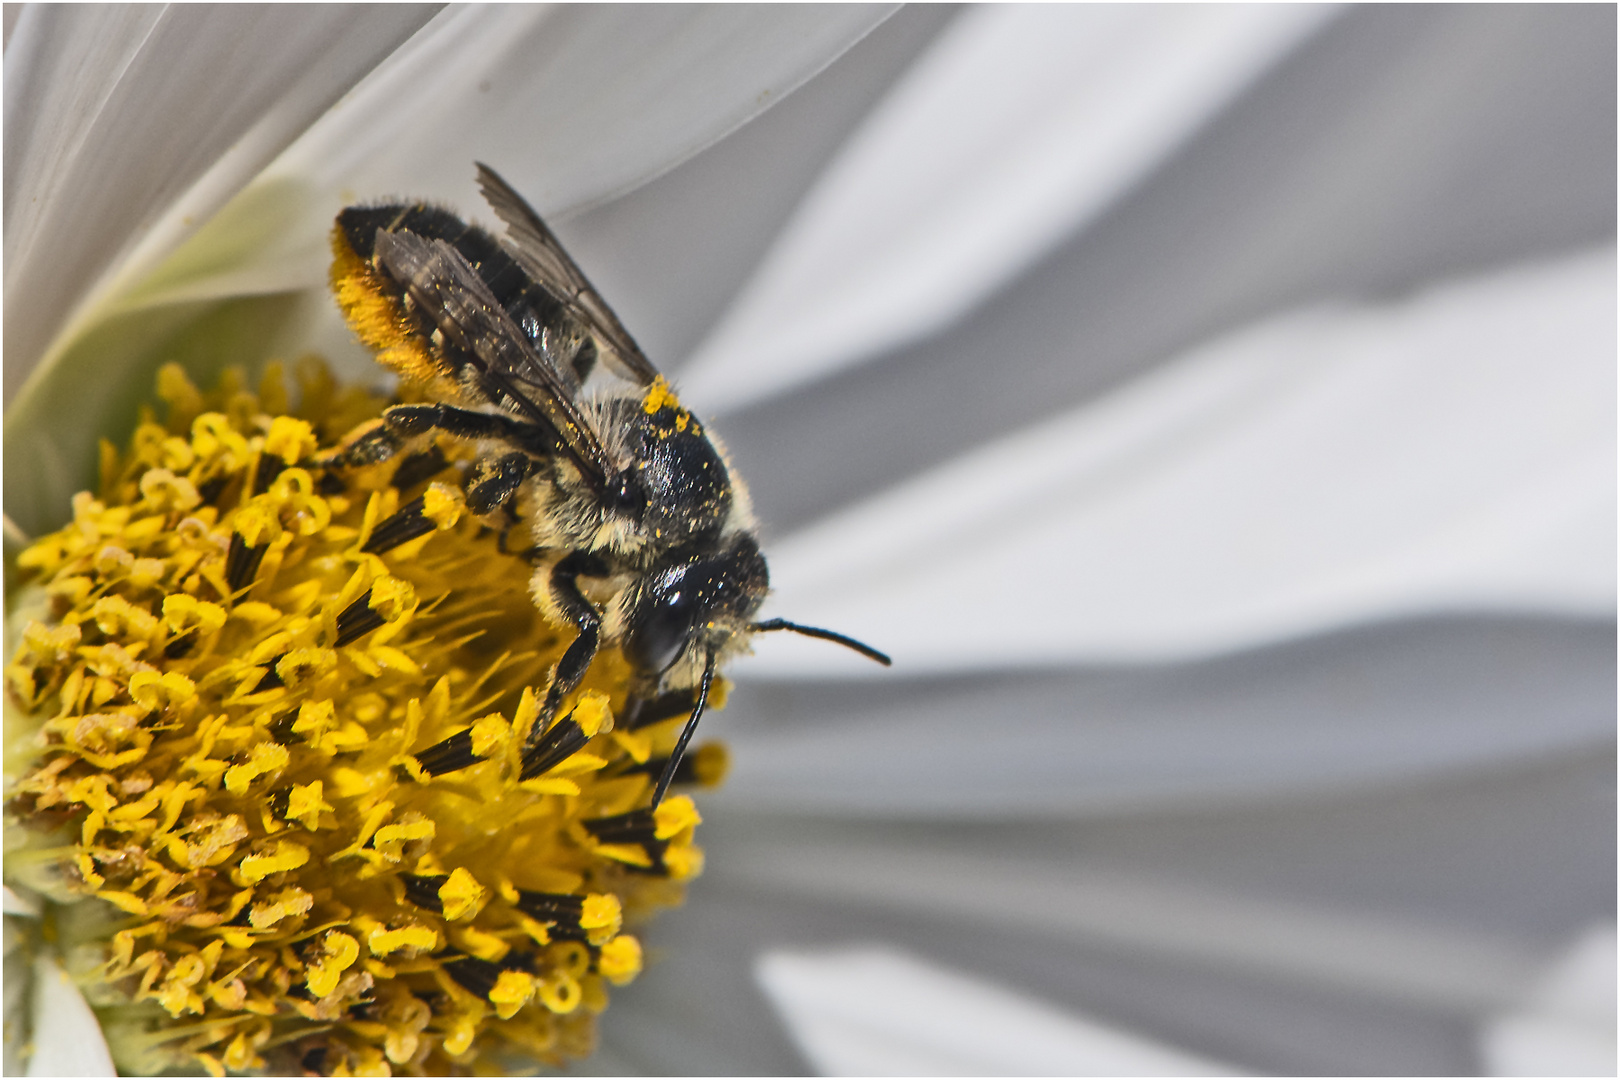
(539, 253)
(510, 373)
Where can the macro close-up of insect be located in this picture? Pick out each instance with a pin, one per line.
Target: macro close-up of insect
(622, 486)
(809, 539)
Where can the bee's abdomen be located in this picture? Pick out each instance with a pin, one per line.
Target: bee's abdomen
(535, 310)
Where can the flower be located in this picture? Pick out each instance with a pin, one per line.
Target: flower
(286, 744)
(1275, 771)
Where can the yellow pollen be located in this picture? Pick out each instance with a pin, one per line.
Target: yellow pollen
(621, 960)
(512, 991)
(461, 895)
(659, 396)
(383, 942)
(286, 856)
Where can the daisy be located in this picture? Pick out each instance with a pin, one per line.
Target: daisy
(1224, 452)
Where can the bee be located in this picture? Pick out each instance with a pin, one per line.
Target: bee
(621, 486)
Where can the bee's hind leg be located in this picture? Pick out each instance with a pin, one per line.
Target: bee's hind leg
(548, 744)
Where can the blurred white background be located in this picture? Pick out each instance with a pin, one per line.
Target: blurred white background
(1214, 412)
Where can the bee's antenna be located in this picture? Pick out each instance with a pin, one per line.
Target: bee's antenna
(686, 733)
(825, 635)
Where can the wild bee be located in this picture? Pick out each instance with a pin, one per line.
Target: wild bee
(621, 485)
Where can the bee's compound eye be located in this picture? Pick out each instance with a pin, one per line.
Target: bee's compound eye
(660, 630)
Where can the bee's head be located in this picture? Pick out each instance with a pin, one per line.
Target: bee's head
(709, 598)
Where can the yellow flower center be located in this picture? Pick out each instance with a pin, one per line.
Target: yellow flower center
(286, 756)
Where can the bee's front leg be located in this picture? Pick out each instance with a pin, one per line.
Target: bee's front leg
(547, 744)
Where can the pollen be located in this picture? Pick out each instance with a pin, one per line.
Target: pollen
(271, 778)
(659, 397)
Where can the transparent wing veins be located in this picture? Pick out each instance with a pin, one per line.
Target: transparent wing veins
(538, 251)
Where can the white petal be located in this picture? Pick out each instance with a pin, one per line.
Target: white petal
(1020, 123)
(1427, 964)
(571, 104)
(20, 905)
(17, 984)
(1566, 1025)
(67, 1039)
(1371, 706)
(1452, 453)
(127, 127)
(877, 1011)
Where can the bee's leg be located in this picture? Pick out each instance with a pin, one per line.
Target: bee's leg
(411, 420)
(493, 486)
(376, 445)
(547, 744)
(496, 481)
(686, 733)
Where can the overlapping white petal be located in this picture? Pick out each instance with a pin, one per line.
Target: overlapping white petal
(1565, 1026)
(127, 127)
(1391, 703)
(572, 104)
(876, 1011)
(1020, 124)
(543, 93)
(1453, 452)
(1457, 970)
(67, 1040)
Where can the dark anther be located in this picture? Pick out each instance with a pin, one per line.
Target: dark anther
(479, 976)
(419, 467)
(555, 746)
(211, 489)
(272, 677)
(636, 827)
(279, 801)
(647, 712)
(448, 756)
(356, 621)
(631, 828)
(182, 644)
(281, 728)
(560, 910)
(686, 770)
(423, 891)
(331, 484)
(547, 906)
(407, 524)
(622, 828)
(242, 562)
(270, 466)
